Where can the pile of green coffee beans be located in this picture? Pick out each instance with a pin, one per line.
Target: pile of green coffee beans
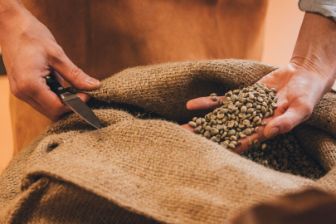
(238, 115)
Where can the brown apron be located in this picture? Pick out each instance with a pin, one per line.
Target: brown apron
(106, 36)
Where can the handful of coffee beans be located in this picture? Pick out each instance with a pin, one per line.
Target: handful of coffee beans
(237, 116)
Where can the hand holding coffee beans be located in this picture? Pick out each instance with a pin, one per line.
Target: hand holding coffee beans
(236, 118)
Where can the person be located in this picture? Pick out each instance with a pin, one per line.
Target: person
(30, 50)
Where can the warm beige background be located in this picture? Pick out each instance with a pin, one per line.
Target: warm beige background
(5, 130)
(282, 25)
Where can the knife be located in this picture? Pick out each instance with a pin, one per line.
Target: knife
(69, 98)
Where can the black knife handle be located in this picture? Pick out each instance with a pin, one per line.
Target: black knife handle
(54, 85)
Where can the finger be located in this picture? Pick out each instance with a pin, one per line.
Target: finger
(35, 105)
(47, 101)
(187, 127)
(70, 72)
(286, 122)
(27, 99)
(258, 136)
(248, 141)
(271, 80)
(83, 96)
(204, 103)
(267, 80)
(281, 106)
(61, 80)
(31, 90)
(42, 108)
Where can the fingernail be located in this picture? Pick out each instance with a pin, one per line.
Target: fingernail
(272, 132)
(214, 98)
(257, 129)
(92, 81)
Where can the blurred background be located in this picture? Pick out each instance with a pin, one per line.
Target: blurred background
(282, 25)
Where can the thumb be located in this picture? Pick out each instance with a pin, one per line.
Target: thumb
(71, 73)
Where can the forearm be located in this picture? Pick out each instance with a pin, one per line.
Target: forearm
(12, 12)
(9, 8)
(8, 4)
(315, 49)
(326, 8)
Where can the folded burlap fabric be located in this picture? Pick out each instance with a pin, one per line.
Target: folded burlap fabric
(142, 167)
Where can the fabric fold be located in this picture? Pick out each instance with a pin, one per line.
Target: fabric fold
(143, 166)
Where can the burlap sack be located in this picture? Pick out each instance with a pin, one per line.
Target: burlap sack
(143, 169)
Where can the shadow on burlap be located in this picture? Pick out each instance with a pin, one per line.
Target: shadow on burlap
(143, 167)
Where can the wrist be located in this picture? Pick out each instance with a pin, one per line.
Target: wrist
(314, 64)
(315, 49)
(311, 71)
(12, 19)
(8, 9)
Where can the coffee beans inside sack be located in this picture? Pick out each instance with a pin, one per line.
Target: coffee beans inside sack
(284, 154)
(238, 115)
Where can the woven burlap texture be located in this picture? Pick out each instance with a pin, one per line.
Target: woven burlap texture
(139, 170)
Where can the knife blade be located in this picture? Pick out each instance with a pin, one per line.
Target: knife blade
(69, 98)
